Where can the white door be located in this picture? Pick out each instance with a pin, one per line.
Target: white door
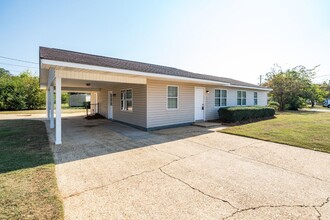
(110, 108)
(199, 103)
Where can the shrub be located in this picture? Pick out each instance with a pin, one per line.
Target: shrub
(235, 114)
(274, 105)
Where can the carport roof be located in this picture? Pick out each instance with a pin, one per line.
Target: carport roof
(89, 59)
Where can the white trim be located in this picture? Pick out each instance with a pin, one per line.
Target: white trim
(47, 104)
(58, 129)
(81, 89)
(241, 97)
(51, 107)
(249, 87)
(256, 98)
(204, 100)
(109, 92)
(221, 106)
(178, 95)
(51, 76)
(129, 72)
(125, 99)
(133, 72)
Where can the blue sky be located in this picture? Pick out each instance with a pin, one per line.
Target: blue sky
(236, 39)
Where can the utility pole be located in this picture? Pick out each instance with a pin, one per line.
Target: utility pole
(260, 79)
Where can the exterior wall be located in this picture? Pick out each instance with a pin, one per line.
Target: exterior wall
(94, 101)
(157, 113)
(136, 117)
(150, 103)
(212, 110)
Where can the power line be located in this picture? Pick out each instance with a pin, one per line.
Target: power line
(8, 58)
(18, 65)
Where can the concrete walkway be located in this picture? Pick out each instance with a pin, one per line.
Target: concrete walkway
(107, 170)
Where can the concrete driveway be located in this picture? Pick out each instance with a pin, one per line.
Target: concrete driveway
(106, 170)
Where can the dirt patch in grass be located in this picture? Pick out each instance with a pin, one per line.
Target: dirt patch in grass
(28, 188)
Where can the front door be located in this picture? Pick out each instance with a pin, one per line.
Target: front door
(110, 108)
(199, 103)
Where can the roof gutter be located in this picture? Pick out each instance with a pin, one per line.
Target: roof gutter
(250, 87)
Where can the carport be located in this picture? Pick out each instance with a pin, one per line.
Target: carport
(57, 76)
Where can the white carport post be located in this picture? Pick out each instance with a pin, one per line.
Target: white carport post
(51, 107)
(58, 130)
(47, 103)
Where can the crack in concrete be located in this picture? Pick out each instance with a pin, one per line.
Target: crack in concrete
(279, 206)
(200, 191)
(255, 160)
(133, 175)
(324, 203)
(249, 145)
(166, 152)
(318, 212)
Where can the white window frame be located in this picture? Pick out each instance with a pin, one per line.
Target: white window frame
(255, 98)
(220, 98)
(125, 108)
(241, 98)
(177, 106)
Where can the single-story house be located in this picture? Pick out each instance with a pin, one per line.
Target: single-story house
(143, 95)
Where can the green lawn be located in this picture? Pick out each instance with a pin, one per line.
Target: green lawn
(28, 188)
(65, 110)
(302, 129)
(316, 107)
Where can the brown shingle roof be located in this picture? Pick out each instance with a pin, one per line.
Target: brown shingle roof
(82, 58)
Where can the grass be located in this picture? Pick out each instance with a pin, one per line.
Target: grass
(316, 107)
(65, 109)
(28, 188)
(301, 129)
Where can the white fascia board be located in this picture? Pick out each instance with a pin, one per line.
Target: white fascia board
(133, 72)
(129, 72)
(250, 87)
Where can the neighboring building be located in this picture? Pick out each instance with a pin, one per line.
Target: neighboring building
(143, 95)
(78, 100)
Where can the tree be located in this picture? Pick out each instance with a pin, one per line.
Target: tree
(4, 73)
(315, 94)
(325, 86)
(65, 98)
(20, 92)
(289, 86)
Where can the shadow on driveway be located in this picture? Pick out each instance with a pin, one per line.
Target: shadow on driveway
(83, 138)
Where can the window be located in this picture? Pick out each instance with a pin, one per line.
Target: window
(241, 97)
(172, 97)
(126, 100)
(220, 97)
(255, 98)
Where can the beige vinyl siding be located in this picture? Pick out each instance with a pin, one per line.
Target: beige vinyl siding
(157, 112)
(137, 116)
(102, 97)
(150, 103)
(212, 110)
(93, 102)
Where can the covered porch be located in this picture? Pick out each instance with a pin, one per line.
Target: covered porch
(57, 77)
